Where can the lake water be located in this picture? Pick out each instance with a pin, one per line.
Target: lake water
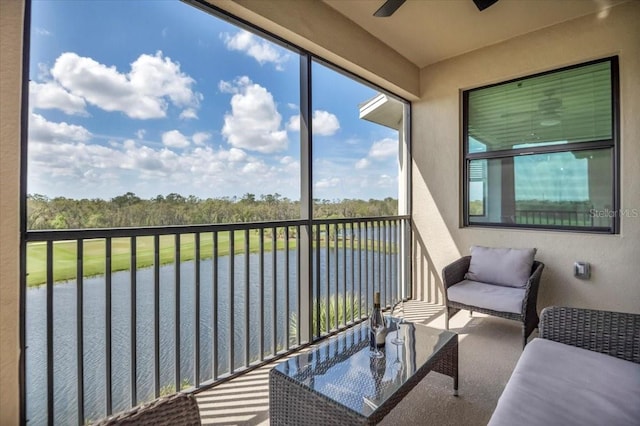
(65, 338)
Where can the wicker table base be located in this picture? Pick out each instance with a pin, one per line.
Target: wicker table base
(334, 383)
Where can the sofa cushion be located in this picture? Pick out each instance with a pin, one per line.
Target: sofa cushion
(502, 266)
(489, 296)
(558, 384)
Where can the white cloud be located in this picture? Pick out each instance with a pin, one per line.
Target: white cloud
(293, 125)
(363, 163)
(43, 32)
(387, 181)
(160, 76)
(58, 150)
(140, 133)
(188, 114)
(259, 49)
(236, 155)
(380, 150)
(230, 86)
(199, 138)
(47, 132)
(145, 92)
(290, 164)
(384, 148)
(328, 183)
(257, 168)
(51, 95)
(43, 71)
(144, 159)
(68, 160)
(175, 139)
(324, 123)
(254, 121)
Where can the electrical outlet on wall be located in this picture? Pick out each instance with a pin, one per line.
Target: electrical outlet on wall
(582, 270)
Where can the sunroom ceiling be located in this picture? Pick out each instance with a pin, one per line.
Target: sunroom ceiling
(429, 31)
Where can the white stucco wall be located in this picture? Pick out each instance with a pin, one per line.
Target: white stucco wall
(436, 140)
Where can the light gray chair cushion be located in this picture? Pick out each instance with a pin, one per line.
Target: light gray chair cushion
(488, 296)
(558, 384)
(502, 266)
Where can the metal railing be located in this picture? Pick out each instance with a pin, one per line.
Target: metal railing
(141, 312)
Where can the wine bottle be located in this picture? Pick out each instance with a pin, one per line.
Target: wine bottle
(374, 319)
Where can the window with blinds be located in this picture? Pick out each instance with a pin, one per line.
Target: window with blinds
(541, 151)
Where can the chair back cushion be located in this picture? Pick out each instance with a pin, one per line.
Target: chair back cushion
(502, 266)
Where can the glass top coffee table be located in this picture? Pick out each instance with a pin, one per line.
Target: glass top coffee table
(337, 382)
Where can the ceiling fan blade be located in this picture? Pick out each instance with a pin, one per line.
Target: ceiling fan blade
(388, 8)
(483, 4)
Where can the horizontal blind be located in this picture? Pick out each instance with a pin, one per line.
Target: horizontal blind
(569, 106)
(477, 170)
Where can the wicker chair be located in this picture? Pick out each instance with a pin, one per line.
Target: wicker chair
(179, 409)
(528, 316)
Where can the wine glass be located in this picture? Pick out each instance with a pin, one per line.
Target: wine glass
(397, 367)
(377, 327)
(397, 316)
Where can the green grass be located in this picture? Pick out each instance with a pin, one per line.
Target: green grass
(65, 254)
(93, 262)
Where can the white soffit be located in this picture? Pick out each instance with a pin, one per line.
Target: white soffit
(382, 110)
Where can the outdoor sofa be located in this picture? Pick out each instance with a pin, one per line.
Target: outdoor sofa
(583, 370)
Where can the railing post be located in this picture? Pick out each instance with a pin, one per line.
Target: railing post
(247, 299)
(133, 322)
(156, 316)
(197, 307)
(176, 319)
(49, 325)
(80, 327)
(108, 328)
(405, 259)
(305, 279)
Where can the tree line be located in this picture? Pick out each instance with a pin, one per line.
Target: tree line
(129, 210)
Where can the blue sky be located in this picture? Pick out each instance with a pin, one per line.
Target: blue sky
(156, 97)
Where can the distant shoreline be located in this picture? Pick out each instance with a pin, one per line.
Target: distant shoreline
(65, 255)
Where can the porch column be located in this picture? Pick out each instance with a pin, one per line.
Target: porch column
(11, 42)
(305, 279)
